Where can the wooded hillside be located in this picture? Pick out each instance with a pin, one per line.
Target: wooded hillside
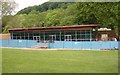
(61, 14)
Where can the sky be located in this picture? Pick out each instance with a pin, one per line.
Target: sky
(21, 4)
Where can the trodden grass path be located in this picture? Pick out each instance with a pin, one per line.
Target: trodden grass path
(30, 61)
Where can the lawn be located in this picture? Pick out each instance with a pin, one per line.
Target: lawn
(0, 61)
(68, 61)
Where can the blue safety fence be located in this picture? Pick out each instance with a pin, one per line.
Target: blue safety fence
(61, 44)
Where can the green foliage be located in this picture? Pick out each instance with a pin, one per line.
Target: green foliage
(44, 7)
(5, 19)
(53, 18)
(60, 14)
(5, 30)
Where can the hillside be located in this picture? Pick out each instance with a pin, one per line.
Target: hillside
(63, 13)
(44, 7)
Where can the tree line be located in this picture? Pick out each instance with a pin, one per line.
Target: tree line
(64, 13)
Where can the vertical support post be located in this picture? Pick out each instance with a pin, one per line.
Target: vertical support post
(20, 35)
(60, 36)
(24, 35)
(8, 43)
(52, 37)
(28, 36)
(110, 45)
(75, 35)
(39, 37)
(100, 44)
(32, 35)
(90, 35)
(27, 41)
(63, 38)
(44, 36)
(55, 38)
(84, 36)
(16, 37)
(90, 39)
(11, 35)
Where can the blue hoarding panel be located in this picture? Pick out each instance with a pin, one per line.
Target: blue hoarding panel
(61, 44)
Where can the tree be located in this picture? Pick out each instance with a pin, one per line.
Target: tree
(8, 7)
(57, 14)
(44, 7)
(53, 17)
(5, 20)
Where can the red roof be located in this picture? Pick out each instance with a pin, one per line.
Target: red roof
(55, 27)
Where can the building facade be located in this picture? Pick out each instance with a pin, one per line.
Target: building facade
(59, 33)
(74, 37)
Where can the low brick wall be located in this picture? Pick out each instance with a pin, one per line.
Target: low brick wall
(4, 36)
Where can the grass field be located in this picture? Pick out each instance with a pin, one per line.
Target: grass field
(34, 61)
(0, 61)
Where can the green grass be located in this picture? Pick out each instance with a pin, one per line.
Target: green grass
(24, 61)
(0, 61)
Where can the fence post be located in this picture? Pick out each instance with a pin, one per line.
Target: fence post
(26, 43)
(110, 45)
(17, 43)
(91, 44)
(81, 45)
(63, 44)
(100, 44)
(8, 43)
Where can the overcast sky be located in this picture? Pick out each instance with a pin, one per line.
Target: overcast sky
(21, 4)
(25, 3)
